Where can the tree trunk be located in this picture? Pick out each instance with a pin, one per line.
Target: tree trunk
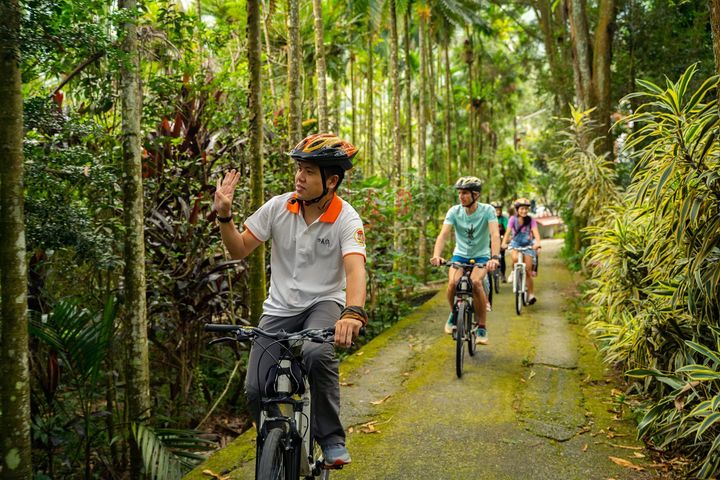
(469, 59)
(582, 54)
(293, 83)
(369, 151)
(266, 19)
(715, 25)
(135, 308)
(449, 109)
(602, 56)
(408, 92)
(422, 125)
(553, 40)
(714, 6)
(353, 101)
(320, 69)
(255, 152)
(395, 79)
(15, 417)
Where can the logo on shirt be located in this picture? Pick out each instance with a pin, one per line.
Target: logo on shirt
(360, 237)
(324, 241)
(471, 233)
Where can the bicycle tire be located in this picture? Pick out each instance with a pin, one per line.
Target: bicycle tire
(497, 280)
(472, 333)
(489, 291)
(459, 340)
(272, 459)
(519, 294)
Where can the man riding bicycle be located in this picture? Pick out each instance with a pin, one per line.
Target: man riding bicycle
(476, 237)
(523, 231)
(318, 249)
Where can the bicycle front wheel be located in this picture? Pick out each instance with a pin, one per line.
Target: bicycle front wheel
(519, 294)
(459, 338)
(470, 329)
(272, 459)
(497, 280)
(489, 290)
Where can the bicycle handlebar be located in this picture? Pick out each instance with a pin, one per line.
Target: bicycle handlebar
(460, 264)
(241, 332)
(248, 333)
(523, 248)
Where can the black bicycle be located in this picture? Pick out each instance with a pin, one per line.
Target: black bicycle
(286, 447)
(464, 315)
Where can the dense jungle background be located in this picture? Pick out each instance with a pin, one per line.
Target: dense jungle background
(117, 118)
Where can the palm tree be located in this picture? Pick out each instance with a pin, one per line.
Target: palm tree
(138, 372)
(15, 381)
(320, 68)
(423, 13)
(255, 151)
(294, 53)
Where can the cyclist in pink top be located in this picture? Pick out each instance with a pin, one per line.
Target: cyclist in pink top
(523, 231)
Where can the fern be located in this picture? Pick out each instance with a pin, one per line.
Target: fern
(165, 452)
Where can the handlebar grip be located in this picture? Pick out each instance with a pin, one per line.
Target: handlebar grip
(216, 327)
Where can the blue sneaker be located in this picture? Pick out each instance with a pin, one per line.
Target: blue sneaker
(336, 455)
(482, 336)
(450, 325)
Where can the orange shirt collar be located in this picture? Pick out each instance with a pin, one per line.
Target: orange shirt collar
(329, 216)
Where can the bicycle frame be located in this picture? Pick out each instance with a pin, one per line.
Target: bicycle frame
(519, 281)
(298, 425)
(288, 407)
(464, 313)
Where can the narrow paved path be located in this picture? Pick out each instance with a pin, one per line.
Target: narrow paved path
(533, 404)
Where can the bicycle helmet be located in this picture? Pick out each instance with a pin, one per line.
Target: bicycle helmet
(522, 202)
(497, 205)
(469, 183)
(327, 151)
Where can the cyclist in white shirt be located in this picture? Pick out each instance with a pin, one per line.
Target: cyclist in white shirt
(318, 274)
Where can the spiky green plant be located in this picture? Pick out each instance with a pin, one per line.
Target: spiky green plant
(656, 277)
(167, 453)
(587, 181)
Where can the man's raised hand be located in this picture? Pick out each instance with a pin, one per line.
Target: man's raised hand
(224, 193)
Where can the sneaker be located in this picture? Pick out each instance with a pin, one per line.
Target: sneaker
(336, 455)
(531, 300)
(450, 325)
(482, 336)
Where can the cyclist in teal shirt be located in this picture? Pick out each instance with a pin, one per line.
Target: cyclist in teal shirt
(476, 238)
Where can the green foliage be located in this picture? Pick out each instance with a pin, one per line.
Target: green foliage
(586, 182)
(168, 454)
(73, 345)
(656, 275)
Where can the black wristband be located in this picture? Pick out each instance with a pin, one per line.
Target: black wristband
(227, 219)
(495, 257)
(357, 310)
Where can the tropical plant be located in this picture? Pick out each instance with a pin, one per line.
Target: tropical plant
(587, 180)
(656, 275)
(168, 454)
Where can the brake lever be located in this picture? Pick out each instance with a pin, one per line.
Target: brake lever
(222, 340)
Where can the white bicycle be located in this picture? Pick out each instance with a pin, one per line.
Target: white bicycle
(519, 279)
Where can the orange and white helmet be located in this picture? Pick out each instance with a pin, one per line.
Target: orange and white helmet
(325, 150)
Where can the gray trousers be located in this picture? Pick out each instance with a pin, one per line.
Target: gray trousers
(320, 362)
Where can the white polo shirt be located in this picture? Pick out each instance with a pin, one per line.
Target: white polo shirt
(306, 260)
